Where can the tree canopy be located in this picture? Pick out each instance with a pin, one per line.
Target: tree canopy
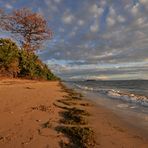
(9, 53)
(30, 28)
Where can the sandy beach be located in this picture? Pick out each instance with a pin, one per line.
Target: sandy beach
(30, 115)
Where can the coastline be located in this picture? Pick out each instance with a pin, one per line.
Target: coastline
(36, 109)
(114, 132)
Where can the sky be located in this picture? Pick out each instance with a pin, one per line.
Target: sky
(93, 39)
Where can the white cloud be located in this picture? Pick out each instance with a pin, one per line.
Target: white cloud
(94, 27)
(145, 3)
(112, 11)
(73, 33)
(87, 77)
(8, 6)
(140, 34)
(105, 54)
(95, 10)
(120, 19)
(57, 1)
(86, 45)
(103, 3)
(126, 31)
(61, 29)
(140, 21)
(110, 21)
(114, 18)
(75, 28)
(52, 7)
(135, 9)
(47, 2)
(67, 18)
(81, 22)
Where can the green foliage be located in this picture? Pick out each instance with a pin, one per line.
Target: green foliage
(27, 64)
(21, 63)
(8, 57)
(31, 67)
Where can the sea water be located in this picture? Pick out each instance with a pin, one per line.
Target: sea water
(129, 98)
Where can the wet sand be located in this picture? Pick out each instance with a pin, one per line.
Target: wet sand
(28, 118)
(114, 132)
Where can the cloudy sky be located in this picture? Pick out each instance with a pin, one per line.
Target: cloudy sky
(94, 39)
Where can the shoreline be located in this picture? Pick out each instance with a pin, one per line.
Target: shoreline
(129, 112)
(36, 109)
(115, 131)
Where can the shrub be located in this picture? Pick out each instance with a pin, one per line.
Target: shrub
(21, 63)
(31, 67)
(8, 58)
(27, 63)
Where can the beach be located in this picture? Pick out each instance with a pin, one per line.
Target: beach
(31, 115)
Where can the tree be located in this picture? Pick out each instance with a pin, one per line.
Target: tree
(9, 54)
(30, 28)
(21, 63)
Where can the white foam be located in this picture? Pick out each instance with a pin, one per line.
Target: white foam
(133, 107)
(122, 105)
(116, 94)
(143, 100)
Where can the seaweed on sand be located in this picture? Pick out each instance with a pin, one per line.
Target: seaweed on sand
(69, 117)
(72, 94)
(80, 137)
(41, 108)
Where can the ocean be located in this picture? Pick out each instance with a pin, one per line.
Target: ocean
(133, 91)
(128, 98)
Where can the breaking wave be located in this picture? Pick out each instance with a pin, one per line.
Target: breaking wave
(116, 94)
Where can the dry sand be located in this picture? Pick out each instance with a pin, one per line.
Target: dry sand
(28, 118)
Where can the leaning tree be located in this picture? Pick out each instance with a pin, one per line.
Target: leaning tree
(29, 28)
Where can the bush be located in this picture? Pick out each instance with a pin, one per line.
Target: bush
(27, 64)
(31, 67)
(21, 63)
(9, 58)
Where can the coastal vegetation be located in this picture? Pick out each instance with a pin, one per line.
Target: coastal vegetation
(17, 57)
(19, 63)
